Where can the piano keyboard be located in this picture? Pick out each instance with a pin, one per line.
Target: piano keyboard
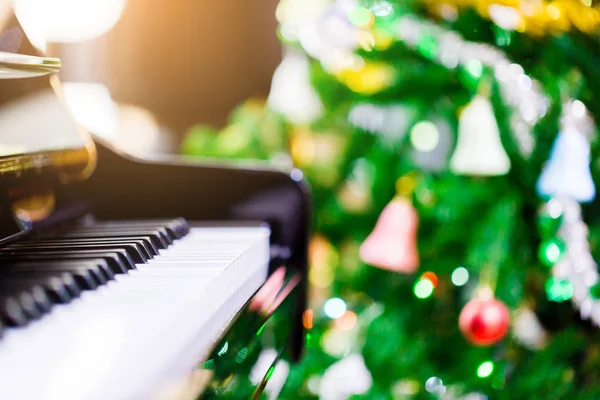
(110, 311)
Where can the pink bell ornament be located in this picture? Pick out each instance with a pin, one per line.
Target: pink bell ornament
(392, 243)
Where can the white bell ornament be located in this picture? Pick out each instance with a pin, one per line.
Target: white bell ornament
(479, 150)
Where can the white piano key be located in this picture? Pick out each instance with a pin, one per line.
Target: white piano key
(112, 342)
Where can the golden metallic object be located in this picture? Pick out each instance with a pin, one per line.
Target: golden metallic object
(35, 207)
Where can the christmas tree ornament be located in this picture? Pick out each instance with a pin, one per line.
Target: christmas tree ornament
(291, 93)
(484, 322)
(525, 101)
(392, 243)
(567, 172)
(575, 275)
(479, 151)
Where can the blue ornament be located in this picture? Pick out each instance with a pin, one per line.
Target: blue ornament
(567, 172)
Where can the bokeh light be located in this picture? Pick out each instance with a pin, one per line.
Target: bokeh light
(423, 288)
(361, 17)
(430, 276)
(460, 276)
(485, 369)
(334, 308)
(346, 321)
(68, 20)
(382, 9)
(425, 136)
(336, 342)
(307, 319)
(551, 251)
(475, 68)
(559, 289)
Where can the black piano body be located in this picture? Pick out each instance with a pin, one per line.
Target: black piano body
(45, 187)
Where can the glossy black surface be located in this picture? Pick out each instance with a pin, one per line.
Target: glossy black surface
(126, 187)
(232, 370)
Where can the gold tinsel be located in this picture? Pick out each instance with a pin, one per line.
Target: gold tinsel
(536, 17)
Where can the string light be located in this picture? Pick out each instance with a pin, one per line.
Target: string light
(435, 385)
(423, 288)
(578, 109)
(460, 276)
(432, 277)
(485, 369)
(382, 9)
(551, 251)
(554, 208)
(559, 289)
(475, 68)
(334, 308)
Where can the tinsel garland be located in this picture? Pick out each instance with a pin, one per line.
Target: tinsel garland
(537, 17)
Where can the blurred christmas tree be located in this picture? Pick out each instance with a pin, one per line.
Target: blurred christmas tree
(450, 144)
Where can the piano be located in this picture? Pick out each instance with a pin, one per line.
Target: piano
(132, 277)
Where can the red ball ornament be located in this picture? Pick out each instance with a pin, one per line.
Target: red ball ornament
(484, 321)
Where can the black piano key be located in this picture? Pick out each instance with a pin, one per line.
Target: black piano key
(36, 291)
(60, 288)
(144, 245)
(28, 287)
(118, 260)
(131, 248)
(26, 303)
(87, 274)
(12, 311)
(156, 239)
(177, 227)
(161, 232)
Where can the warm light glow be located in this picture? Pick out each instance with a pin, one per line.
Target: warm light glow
(93, 108)
(432, 277)
(307, 319)
(68, 20)
(346, 321)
